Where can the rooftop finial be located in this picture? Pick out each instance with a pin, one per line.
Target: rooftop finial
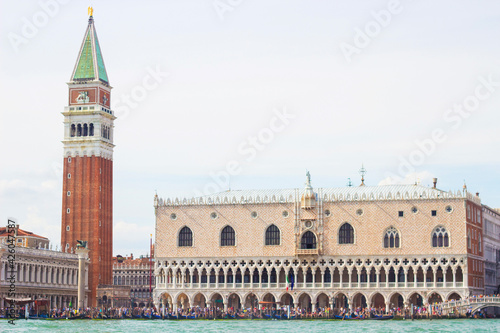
(91, 11)
(362, 172)
(308, 176)
(349, 183)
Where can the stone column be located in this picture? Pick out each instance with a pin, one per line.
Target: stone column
(350, 279)
(387, 278)
(454, 278)
(434, 273)
(406, 278)
(377, 277)
(82, 258)
(323, 279)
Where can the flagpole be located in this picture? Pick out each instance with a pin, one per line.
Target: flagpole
(150, 268)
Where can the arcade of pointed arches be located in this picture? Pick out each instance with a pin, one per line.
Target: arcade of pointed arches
(303, 299)
(363, 276)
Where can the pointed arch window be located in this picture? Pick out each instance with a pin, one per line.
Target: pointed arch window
(469, 240)
(308, 240)
(227, 237)
(79, 130)
(440, 237)
(85, 130)
(185, 237)
(91, 129)
(391, 238)
(346, 234)
(273, 235)
(73, 130)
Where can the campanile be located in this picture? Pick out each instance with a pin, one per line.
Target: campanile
(87, 205)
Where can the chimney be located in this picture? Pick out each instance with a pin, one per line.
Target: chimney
(434, 181)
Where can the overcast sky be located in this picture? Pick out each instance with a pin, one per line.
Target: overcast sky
(262, 89)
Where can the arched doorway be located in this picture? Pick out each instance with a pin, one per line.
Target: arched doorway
(359, 301)
(166, 299)
(287, 299)
(378, 301)
(341, 301)
(217, 301)
(435, 298)
(234, 301)
(454, 297)
(416, 299)
(251, 301)
(199, 300)
(396, 301)
(322, 301)
(305, 301)
(182, 301)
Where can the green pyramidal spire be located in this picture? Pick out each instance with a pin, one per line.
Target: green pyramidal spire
(90, 65)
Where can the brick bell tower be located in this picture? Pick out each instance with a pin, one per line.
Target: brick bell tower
(87, 205)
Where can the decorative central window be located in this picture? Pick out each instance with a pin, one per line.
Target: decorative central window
(308, 241)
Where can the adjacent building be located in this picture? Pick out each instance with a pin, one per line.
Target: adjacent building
(381, 246)
(491, 222)
(137, 275)
(24, 238)
(87, 205)
(40, 273)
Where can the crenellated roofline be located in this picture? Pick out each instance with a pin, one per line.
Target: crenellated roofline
(338, 194)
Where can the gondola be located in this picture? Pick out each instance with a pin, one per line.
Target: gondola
(350, 317)
(78, 317)
(381, 317)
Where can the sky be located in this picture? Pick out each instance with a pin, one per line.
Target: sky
(239, 94)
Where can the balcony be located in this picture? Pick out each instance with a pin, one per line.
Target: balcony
(306, 252)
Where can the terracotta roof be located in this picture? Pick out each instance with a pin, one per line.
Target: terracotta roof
(20, 232)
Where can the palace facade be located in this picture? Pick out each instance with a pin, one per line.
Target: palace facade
(382, 246)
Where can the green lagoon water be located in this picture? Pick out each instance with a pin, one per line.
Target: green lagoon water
(256, 326)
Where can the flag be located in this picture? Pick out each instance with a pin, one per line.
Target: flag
(291, 286)
(287, 282)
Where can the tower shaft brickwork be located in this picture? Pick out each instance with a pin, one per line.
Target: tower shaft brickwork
(87, 205)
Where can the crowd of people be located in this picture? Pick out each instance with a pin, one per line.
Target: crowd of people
(265, 312)
(269, 312)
